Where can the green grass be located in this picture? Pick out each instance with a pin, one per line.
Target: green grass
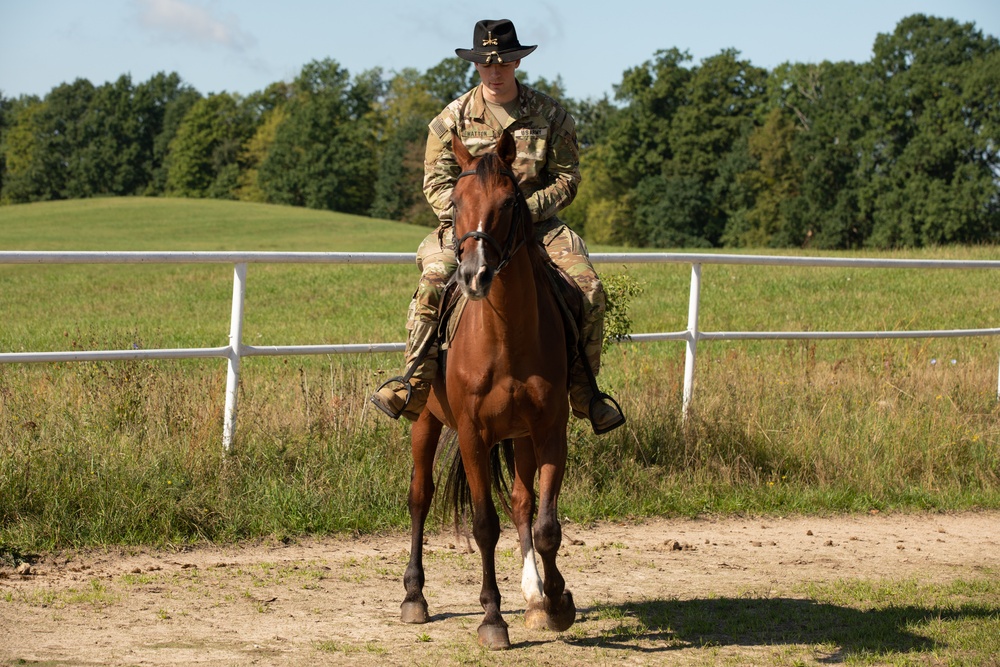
(130, 453)
(173, 305)
(136, 223)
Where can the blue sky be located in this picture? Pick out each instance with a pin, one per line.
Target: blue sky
(243, 45)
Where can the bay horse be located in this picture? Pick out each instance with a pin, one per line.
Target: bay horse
(505, 379)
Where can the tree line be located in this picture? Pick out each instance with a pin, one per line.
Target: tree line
(900, 151)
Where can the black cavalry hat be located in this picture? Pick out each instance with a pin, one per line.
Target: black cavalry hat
(494, 41)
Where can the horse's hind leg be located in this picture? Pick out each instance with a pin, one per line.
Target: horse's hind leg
(424, 440)
(559, 609)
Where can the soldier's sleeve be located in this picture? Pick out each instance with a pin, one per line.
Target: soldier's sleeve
(562, 167)
(440, 169)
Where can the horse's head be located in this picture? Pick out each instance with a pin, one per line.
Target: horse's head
(489, 215)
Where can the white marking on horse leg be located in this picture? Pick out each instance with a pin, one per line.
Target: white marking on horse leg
(531, 582)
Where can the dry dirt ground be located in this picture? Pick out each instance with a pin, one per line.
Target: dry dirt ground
(336, 600)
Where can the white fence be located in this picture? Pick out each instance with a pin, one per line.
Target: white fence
(236, 350)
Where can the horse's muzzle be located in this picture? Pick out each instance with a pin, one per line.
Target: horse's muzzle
(475, 279)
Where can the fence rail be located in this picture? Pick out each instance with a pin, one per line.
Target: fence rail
(236, 350)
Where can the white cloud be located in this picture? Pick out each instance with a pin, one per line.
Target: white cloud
(182, 20)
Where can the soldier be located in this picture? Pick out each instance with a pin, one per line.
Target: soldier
(548, 173)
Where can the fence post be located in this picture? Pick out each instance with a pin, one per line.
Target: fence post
(692, 340)
(235, 343)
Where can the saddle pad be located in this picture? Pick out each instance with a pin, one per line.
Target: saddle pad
(453, 303)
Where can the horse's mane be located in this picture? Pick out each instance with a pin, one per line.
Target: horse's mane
(493, 173)
(490, 170)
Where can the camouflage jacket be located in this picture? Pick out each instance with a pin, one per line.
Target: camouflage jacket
(548, 159)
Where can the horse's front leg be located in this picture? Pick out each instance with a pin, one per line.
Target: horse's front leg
(559, 609)
(424, 439)
(486, 529)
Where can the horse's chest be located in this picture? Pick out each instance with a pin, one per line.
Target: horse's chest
(496, 391)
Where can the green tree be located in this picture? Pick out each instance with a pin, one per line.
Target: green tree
(448, 79)
(676, 146)
(162, 101)
(399, 189)
(555, 89)
(44, 146)
(815, 187)
(324, 154)
(255, 152)
(594, 120)
(669, 212)
(411, 101)
(773, 180)
(111, 156)
(623, 145)
(639, 140)
(708, 136)
(6, 120)
(601, 210)
(927, 183)
(83, 141)
(266, 110)
(8, 109)
(409, 105)
(204, 154)
(980, 114)
(25, 168)
(408, 97)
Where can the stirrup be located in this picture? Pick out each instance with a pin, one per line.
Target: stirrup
(409, 392)
(598, 398)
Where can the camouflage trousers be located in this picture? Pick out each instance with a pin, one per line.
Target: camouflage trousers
(436, 261)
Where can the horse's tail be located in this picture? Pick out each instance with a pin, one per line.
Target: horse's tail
(458, 495)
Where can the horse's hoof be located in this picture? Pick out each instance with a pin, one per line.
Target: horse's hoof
(414, 612)
(557, 619)
(494, 637)
(564, 615)
(535, 618)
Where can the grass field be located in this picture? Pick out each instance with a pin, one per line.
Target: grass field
(130, 453)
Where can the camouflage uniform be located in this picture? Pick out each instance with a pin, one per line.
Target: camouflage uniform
(548, 173)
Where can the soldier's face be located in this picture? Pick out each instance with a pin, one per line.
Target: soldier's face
(499, 85)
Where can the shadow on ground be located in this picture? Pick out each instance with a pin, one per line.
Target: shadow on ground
(666, 625)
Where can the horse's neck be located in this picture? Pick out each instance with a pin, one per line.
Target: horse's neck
(512, 308)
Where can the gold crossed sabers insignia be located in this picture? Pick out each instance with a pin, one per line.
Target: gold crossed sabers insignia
(490, 39)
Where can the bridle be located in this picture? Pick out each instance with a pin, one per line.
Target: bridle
(508, 250)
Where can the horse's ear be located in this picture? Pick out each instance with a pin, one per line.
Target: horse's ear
(506, 148)
(462, 154)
